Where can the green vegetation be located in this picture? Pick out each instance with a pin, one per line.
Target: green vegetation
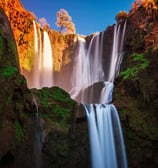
(57, 106)
(48, 96)
(139, 63)
(20, 133)
(121, 16)
(11, 47)
(8, 50)
(8, 71)
(28, 56)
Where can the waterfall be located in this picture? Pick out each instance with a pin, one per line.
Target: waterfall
(81, 69)
(46, 63)
(87, 67)
(106, 93)
(106, 139)
(42, 70)
(36, 105)
(116, 57)
(35, 75)
(38, 137)
(94, 55)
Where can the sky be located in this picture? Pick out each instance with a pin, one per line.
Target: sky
(89, 16)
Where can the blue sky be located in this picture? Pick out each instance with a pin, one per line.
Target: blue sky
(88, 15)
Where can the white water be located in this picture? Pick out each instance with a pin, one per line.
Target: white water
(35, 75)
(116, 57)
(38, 138)
(106, 93)
(105, 136)
(104, 126)
(106, 139)
(80, 70)
(42, 71)
(46, 63)
(87, 66)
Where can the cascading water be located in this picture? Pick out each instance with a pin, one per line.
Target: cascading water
(35, 74)
(106, 93)
(81, 70)
(87, 67)
(106, 139)
(46, 70)
(38, 137)
(42, 70)
(116, 57)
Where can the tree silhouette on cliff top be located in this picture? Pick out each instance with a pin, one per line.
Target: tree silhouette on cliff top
(64, 21)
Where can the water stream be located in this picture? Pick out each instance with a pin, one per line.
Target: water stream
(87, 68)
(106, 139)
(38, 137)
(41, 74)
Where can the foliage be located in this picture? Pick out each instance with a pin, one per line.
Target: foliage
(20, 133)
(58, 47)
(11, 48)
(28, 58)
(64, 20)
(58, 106)
(53, 96)
(8, 71)
(43, 23)
(147, 4)
(122, 15)
(139, 62)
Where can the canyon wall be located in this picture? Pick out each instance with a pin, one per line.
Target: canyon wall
(65, 137)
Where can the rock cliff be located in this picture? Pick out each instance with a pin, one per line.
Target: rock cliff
(136, 88)
(26, 131)
(21, 22)
(135, 95)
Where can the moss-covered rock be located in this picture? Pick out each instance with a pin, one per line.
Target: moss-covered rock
(65, 139)
(55, 107)
(20, 127)
(67, 150)
(8, 51)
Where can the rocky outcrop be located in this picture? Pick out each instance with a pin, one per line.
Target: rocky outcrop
(33, 122)
(22, 27)
(21, 22)
(136, 89)
(62, 138)
(143, 25)
(15, 102)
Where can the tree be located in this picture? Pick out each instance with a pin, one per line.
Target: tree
(147, 4)
(64, 21)
(43, 23)
(121, 16)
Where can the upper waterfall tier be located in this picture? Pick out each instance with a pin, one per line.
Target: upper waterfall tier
(41, 74)
(88, 64)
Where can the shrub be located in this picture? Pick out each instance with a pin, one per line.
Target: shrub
(8, 71)
(139, 63)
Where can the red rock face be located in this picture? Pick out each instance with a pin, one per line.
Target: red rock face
(21, 25)
(142, 25)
